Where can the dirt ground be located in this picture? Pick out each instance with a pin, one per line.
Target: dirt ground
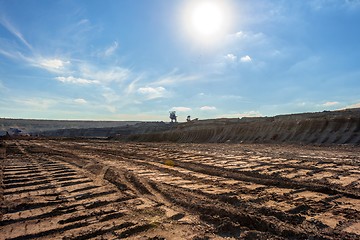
(98, 189)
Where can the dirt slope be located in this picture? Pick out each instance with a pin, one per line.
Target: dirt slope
(37, 125)
(339, 127)
(138, 128)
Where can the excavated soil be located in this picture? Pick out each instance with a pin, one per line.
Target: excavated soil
(98, 189)
(325, 128)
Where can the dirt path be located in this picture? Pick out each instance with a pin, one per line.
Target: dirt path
(60, 189)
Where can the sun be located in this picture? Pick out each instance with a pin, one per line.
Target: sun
(206, 21)
(207, 18)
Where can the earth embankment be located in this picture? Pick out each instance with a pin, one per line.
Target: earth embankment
(338, 127)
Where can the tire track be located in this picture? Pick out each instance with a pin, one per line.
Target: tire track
(197, 179)
(48, 198)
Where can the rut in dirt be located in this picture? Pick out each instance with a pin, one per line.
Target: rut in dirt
(247, 189)
(277, 192)
(45, 198)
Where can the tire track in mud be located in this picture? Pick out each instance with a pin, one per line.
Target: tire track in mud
(206, 185)
(48, 198)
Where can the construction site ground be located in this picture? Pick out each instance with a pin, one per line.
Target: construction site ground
(100, 189)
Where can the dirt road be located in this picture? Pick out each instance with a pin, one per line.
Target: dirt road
(94, 189)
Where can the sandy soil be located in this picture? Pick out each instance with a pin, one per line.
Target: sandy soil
(95, 189)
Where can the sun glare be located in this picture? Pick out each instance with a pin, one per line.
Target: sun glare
(206, 20)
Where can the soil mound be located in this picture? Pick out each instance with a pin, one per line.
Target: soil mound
(337, 127)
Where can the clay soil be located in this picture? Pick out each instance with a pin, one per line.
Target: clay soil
(98, 189)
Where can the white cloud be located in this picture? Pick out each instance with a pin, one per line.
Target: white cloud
(181, 109)
(329, 104)
(110, 50)
(246, 58)
(74, 80)
(208, 108)
(80, 101)
(230, 57)
(52, 64)
(248, 37)
(152, 93)
(240, 34)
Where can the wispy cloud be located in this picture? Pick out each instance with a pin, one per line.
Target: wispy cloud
(12, 55)
(110, 95)
(232, 97)
(111, 108)
(110, 50)
(241, 115)
(329, 104)
(152, 92)
(250, 114)
(38, 104)
(324, 4)
(2, 87)
(307, 65)
(55, 65)
(181, 109)
(175, 78)
(82, 22)
(13, 30)
(75, 80)
(352, 3)
(131, 87)
(32, 57)
(248, 37)
(355, 105)
(208, 108)
(111, 74)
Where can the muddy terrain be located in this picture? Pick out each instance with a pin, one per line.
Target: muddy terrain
(97, 189)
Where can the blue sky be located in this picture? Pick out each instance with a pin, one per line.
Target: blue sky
(137, 60)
